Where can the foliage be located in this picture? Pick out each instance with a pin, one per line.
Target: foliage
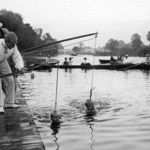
(112, 45)
(136, 41)
(144, 50)
(148, 36)
(27, 36)
(76, 49)
(118, 47)
(135, 47)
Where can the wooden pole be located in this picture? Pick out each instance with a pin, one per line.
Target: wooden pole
(91, 90)
(56, 88)
(64, 40)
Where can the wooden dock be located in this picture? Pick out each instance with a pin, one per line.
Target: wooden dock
(18, 130)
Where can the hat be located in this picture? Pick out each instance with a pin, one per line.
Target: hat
(1, 24)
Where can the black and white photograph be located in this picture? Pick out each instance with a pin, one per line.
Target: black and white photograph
(75, 75)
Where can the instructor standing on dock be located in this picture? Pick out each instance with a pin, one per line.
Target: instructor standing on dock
(9, 49)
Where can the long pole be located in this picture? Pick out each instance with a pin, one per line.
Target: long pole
(64, 40)
(91, 90)
(18, 73)
(56, 88)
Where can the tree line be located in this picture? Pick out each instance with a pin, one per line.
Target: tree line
(118, 47)
(28, 36)
(134, 48)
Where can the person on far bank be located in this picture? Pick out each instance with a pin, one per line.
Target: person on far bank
(8, 48)
(66, 61)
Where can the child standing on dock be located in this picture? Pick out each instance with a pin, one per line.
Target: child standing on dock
(9, 49)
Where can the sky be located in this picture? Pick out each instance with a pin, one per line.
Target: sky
(117, 19)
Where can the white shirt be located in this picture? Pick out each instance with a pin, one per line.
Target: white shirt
(5, 53)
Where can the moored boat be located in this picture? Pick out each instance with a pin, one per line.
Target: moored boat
(104, 61)
(141, 66)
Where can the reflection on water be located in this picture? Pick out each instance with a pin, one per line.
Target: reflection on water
(89, 121)
(55, 129)
(122, 103)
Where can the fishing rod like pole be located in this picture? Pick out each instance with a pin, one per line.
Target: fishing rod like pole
(91, 90)
(44, 50)
(20, 73)
(55, 116)
(56, 87)
(90, 107)
(64, 40)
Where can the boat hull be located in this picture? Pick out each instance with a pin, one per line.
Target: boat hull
(141, 66)
(104, 61)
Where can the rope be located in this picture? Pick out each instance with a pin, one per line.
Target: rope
(79, 42)
(93, 70)
(36, 51)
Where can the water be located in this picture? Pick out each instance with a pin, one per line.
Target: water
(122, 101)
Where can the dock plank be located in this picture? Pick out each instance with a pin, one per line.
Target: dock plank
(18, 130)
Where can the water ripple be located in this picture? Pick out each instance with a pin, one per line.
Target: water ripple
(121, 99)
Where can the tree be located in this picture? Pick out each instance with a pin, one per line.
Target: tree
(11, 20)
(39, 32)
(136, 41)
(144, 51)
(52, 49)
(112, 45)
(76, 49)
(148, 36)
(27, 36)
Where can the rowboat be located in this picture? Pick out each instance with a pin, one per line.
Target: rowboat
(104, 61)
(141, 66)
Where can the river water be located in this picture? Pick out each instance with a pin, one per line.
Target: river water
(122, 101)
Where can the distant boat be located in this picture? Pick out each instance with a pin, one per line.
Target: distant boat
(104, 61)
(73, 54)
(51, 62)
(114, 61)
